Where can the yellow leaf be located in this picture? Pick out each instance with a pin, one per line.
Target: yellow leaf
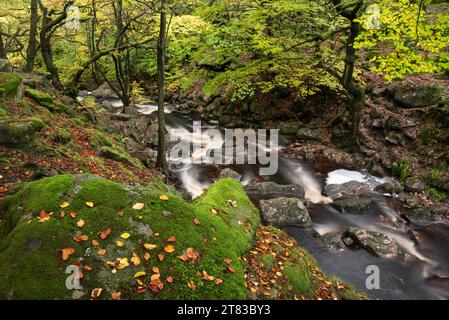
(65, 204)
(138, 206)
(135, 259)
(125, 235)
(213, 211)
(155, 270)
(80, 223)
(101, 252)
(140, 274)
(119, 244)
(96, 292)
(169, 248)
(149, 246)
(163, 197)
(90, 204)
(155, 276)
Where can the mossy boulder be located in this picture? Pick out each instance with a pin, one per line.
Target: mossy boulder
(31, 265)
(11, 86)
(417, 95)
(47, 101)
(5, 65)
(20, 132)
(120, 156)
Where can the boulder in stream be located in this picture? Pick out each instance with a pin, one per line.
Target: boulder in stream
(272, 188)
(378, 244)
(348, 188)
(283, 212)
(422, 216)
(353, 204)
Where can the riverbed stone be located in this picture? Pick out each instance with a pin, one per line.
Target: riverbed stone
(332, 241)
(283, 212)
(377, 243)
(422, 216)
(348, 188)
(414, 186)
(288, 128)
(229, 173)
(389, 187)
(103, 91)
(308, 134)
(11, 86)
(353, 204)
(274, 188)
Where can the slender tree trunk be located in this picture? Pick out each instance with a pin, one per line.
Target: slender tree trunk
(161, 47)
(32, 42)
(2, 47)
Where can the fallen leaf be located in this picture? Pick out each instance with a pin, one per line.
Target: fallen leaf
(231, 269)
(73, 214)
(191, 253)
(125, 235)
(119, 244)
(123, 263)
(227, 260)
(156, 285)
(80, 238)
(155, 269)
(192, 285)
(147, 256)
(135, 259)
(140, 274)
(90, 204)
(105, 233)
(101, 252)
(64, 204)
(80, 223)
(116, 295)
(149, 246)
(171, 239)
(169, 248)
(62, 214)
(87, 268)
(169, 279)
(67, 252)
(213, 211)
(96, 292)
(138, 206)
(196, 221)
(163, 197)
(218, 281)
(184, 257)
(155, 276)
(120, 213)
(161, 257)
(95, 243)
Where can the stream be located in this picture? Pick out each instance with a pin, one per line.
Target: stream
(421, 270)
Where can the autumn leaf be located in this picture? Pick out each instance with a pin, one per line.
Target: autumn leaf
(213, 211)
(149, 246)
(87, 268)
(123, 263)
(231, 269)
(90, 204)
(218, 281)
(125, 235)
(116, 295)
(227, 260)
(80, 238)
(119, 244)
(196, 221)
(207, 277)
(192, 285)
(120, 213)
(140, 274)
(67, 252)
(96, 293)
(80, 223)
(156, 285)
(73, 214)
(95, 243)
(191, 253)
(169, 248)
(163, 197)
(64, 204)
(105, 233)
(135, 259)
(101, 252)
(169, 279)
(184, 257)
(171, 239)
(155, 269)
(138, 206)
(155, 276)
(161, 257)
(147, 256)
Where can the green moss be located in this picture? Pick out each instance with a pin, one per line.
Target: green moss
(120, 156)
(436, 194)
(99, 139)
(61, 136)
(25, 106)
(402, 170)
(41, 98)
(20, 132)
(3, 113)
(34, 248)
(10, 84)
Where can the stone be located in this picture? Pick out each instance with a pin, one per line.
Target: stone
(417, 96)
(378, 244)
(288, 128)
(5, 66)
(103, 91)
(353, 204)
(11, 86)
(389, 187)
(20, 133)
(422, 216)
(119, 156)
(274, 188)
(229, 173)
(309, 134)
(332, 241)
(283, 212)
(348, 188)
(414, 186)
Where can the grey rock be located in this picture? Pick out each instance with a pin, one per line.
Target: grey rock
(348, 188)
(353, 204)
(5, 66)
(283, 212)
(103, 91)
(274, 188)
(378, 244)
(288, 128)
(422, 216)
(332, 241)
(417, 96)
(229, 173)
(389, 187)
(309, 134)
(414, 186)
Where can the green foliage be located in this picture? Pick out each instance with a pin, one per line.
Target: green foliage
(402, 170)
(436, 194)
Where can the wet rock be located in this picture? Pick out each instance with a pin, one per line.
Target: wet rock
(274, 188)
(5, 66)
(353, 204)
(414, 186)
(229, 173)
(417, 96)
(103, 91)
(422, 216)
(348, 188)
(389, 187)
(347, 241)
(378, 244)
(332, 241)
(309, 134)
(283, 212)
(288, 128)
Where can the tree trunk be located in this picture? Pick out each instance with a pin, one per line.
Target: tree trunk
(47, 56)
(32, 42)
(2, 48)
(161, 47)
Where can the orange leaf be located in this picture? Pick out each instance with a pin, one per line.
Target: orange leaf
(155, 269)
(169, 248)
(105, 233)
(147, 256)
(116, 295)
(171, 239)
(169, 279)
(80, 238)
(101, 252)
(67, 252)
(218, 281)
(149, 246)
(80, 223)
(73, 214)
(227, 260)
(184, 257)
(231, 269)
(95, 243)
(196, 221)
(96, 292)
(161, 257)
(192, 285)
(87, 268)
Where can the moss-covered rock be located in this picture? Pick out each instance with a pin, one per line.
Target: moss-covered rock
(120, 156)
(31, 266)
(20, 132)
(47, 101)
(11, 86)
(61, 136)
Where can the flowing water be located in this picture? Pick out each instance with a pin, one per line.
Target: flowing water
(421, 271)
